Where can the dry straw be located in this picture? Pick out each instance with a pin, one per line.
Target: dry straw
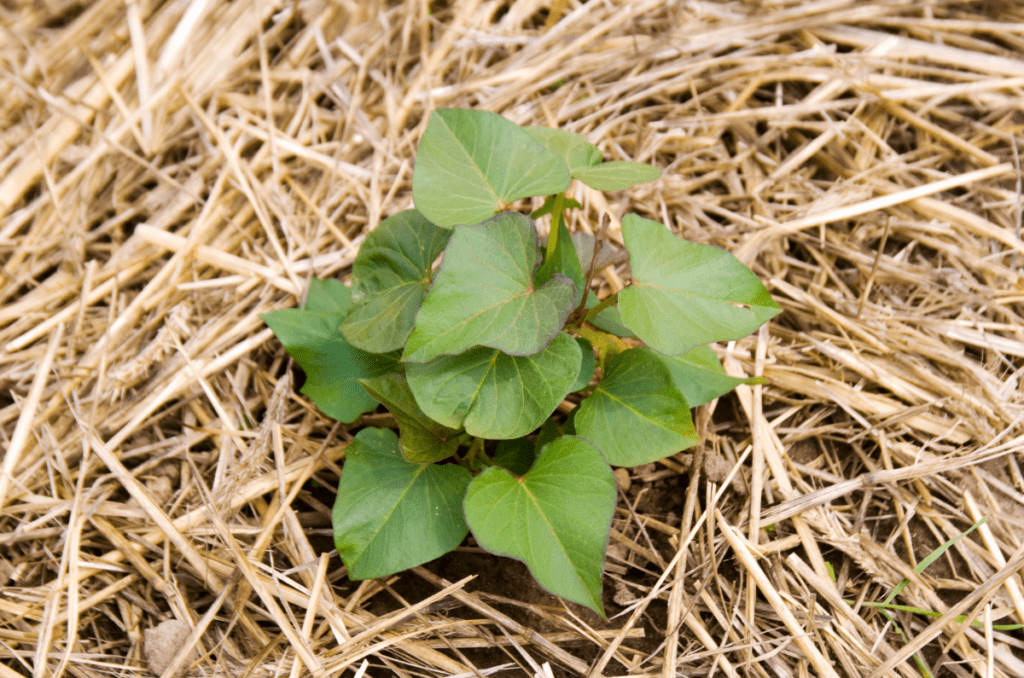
(170, 170)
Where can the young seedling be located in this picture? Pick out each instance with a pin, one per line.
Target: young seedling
(486, 349)
(887, 604)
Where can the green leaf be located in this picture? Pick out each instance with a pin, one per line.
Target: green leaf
(516, 455)
(390, 277)
(473, 164)
(584, 161)
(698, 374)
(484, 294)
(574, 149)
(617, 175)
(326, 295)
(685, 294)
(569, 425)
(587, 365)
(423, 440)
(636, 415)
(565, 261)
(608, 345)
(556, 518)
(332, 366)
(609, 319)
(390, 514)
(495, 395)
(547, 433)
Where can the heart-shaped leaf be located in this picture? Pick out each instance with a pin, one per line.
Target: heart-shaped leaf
(556, 518)
(636, 415)
(332, 366)
(390, 514)
(473, 164)
(617, 175)
(423, 440)
(574, 149)
(495, 395)
(484, 294)
(699, 375)
(584, 161)
(390, 277)
(685, 294)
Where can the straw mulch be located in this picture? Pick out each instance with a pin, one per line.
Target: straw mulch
(170, 170)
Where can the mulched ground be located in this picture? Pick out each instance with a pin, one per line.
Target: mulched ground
(170, 170)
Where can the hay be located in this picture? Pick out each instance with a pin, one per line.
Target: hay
(168, 171)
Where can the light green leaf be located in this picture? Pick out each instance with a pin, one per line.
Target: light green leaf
(495, 395)
(390, 277)
(326, 295)
(472, 164)
(484, 294)
(556, 518)
(636, 415)
(390, 514)
(685, 294)
(332, 366)
(617, 175)
(423, 440)
(698, 374)
(584, 161)
(574, 149)
(609, 319)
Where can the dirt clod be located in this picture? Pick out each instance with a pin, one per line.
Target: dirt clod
(161, 643)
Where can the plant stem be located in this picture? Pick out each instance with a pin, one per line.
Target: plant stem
(475, 456)
(600, 307)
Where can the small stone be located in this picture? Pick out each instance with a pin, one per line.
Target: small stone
(622, 479)
(161, 643)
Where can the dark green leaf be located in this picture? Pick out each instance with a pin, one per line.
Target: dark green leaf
(685, 294)
(472, 164)
(332, 366)
(390, 277)
(698, 374)
(636, 415)
(390, 514)
(617, 175)
(565, 261)
(495, 395)
(556, 518)
(586, 366)
(423, 440)
(484, 294)
(546, 434)
(515, 455)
